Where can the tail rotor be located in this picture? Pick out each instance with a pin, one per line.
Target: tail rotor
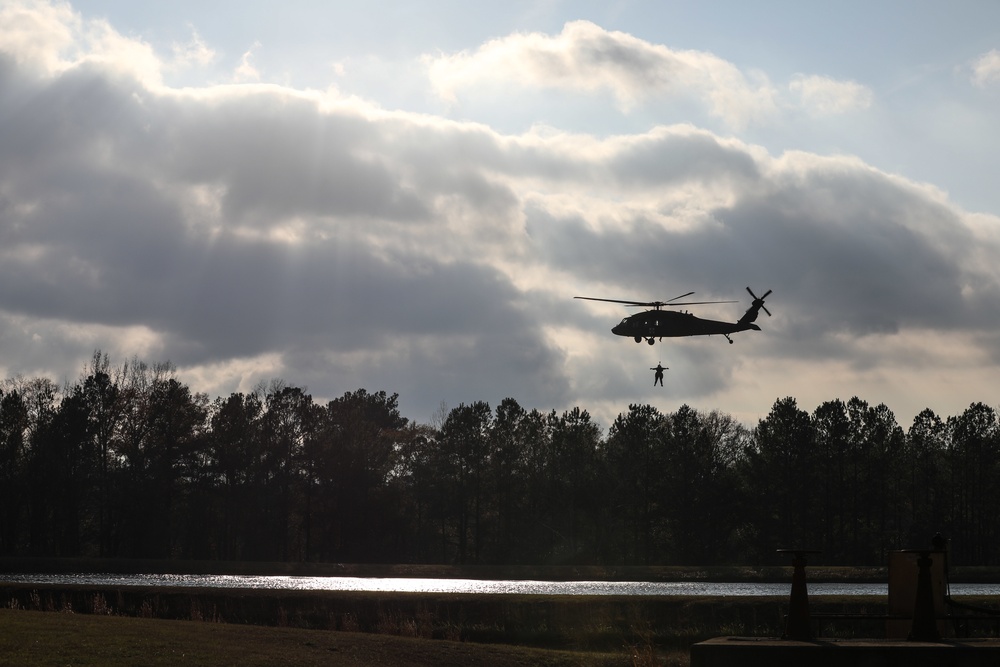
(755, 308)
(758, 302)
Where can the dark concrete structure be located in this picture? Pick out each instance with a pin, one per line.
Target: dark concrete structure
(919, 626)
(761, 652)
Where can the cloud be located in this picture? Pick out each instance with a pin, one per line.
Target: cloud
(193, 53)
(857, 259)
(585, 57)
(823, 96)
(51, 38)
(246, 71)
(250, 231)
(239, 223)
(37, 34)
(986, 69)
(871, 247)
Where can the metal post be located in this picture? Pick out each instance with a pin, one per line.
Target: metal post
(798, 626)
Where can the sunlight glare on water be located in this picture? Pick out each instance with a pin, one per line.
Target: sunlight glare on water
(465, 586)
(469, 586)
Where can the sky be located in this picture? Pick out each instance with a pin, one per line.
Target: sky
(406, 196)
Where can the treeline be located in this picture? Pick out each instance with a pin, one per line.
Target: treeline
(129, 463)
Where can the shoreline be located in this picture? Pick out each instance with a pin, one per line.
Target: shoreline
(655, 573)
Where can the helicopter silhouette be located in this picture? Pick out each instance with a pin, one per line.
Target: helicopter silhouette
(657, 323)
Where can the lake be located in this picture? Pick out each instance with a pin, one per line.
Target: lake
(491, 587)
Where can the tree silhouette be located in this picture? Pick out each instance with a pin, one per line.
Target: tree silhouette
(128, 462)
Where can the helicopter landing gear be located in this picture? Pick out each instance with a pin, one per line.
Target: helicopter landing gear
(638, 339)
(650, 341)
(728, 338)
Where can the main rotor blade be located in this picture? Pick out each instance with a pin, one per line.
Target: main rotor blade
(648, 304)
(652, 304)
(629, 303)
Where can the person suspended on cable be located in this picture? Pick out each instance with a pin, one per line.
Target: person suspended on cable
(658, 377)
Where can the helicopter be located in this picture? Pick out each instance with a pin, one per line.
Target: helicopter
(657, 323)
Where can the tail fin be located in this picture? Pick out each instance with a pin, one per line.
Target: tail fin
(750, 315)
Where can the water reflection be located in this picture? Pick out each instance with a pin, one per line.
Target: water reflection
(422, 585)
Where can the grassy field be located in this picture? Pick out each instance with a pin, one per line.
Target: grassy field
(59, 626)
(40, 639)
(558, 622)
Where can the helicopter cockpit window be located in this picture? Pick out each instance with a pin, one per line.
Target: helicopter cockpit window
(624, 320)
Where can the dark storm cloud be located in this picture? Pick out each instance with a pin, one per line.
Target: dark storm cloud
(102, 243)
(276, 156)
(341, 299)
(245, 221)
(668, 158)
(847, 249)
